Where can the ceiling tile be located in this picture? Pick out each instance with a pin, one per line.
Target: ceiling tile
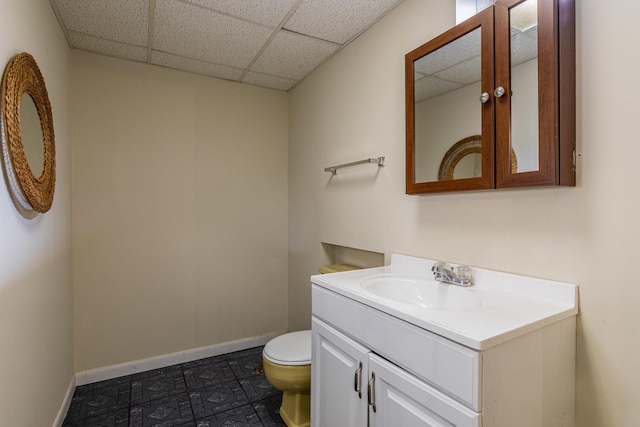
(265, 80)
(120, 20)
(524, 15)
(195, 66)
(230, 39)
(198, 33)
(429, 86)
(107, 47)
(453, 53)
(337, 20)
(466, 72)
(524, 46)
(293, 55)
(266, 12)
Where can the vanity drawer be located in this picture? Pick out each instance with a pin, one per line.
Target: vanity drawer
(449, 367)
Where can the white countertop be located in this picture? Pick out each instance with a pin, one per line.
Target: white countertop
(511, 305)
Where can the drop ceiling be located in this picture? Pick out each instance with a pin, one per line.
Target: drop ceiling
(268, 43)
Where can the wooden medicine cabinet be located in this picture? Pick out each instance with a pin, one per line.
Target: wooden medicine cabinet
(490, 103)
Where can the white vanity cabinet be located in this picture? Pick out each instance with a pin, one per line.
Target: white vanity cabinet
(355, 387)
(509, 362)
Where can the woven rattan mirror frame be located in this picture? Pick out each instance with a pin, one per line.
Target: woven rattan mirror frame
(469, 145)
(22, 76)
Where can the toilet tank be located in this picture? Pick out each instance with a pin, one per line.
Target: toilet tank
(335, 268)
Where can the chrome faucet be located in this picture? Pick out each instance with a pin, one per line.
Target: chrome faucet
(459, 276)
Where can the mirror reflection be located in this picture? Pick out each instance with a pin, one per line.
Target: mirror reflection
(447, 86)
(524, 93)
(462, 160)
(32, 139)
(470, 166)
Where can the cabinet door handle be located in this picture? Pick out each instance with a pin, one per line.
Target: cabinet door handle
(371, 391)
(484, 97)
(357, 381)
(499, 92)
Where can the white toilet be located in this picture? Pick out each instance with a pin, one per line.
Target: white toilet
(287, 366)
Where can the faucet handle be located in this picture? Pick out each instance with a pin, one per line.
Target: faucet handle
(463, 273)
(438, 266)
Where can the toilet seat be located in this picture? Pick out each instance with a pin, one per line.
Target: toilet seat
(292, 349)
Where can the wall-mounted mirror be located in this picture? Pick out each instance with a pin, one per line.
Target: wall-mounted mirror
(506, 74)
(535, 63)
(32, 138)
(28, 144)
(524, 75)
(445, 78)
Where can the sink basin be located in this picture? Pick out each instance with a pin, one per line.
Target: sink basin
(422, 291)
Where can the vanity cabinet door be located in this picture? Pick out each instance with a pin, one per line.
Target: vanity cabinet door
(338, 379)
(400, 399)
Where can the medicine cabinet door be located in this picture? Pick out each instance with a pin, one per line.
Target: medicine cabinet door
(535, 92)
(450, 110)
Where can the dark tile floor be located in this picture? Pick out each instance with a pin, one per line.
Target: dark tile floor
(227, 390)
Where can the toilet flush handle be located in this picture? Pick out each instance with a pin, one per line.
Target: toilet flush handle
(357, 381)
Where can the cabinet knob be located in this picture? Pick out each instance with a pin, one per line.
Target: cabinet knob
(499, 92)
(484, 97)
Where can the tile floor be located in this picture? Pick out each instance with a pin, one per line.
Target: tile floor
(227, 390)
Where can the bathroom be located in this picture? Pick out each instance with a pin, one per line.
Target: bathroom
(191, 211)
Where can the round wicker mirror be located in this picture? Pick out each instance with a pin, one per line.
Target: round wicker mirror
(461, 149)
(23, 82)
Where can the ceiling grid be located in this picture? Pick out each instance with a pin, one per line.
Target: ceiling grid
(269, 43)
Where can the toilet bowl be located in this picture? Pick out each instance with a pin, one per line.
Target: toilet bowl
(287, 365)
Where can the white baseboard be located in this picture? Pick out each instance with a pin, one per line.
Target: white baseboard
(62, 413)
(115, 371)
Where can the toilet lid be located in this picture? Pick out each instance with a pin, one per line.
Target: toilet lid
(289, 349)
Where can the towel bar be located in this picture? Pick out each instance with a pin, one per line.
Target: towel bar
(334, 169)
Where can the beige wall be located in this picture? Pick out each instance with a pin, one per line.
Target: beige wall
(36, 342)
(353, 108)
(179, 211)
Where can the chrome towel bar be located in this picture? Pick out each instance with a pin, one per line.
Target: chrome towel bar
(334, 169)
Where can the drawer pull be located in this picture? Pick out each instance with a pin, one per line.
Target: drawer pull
(371, 391)
(357, 381)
